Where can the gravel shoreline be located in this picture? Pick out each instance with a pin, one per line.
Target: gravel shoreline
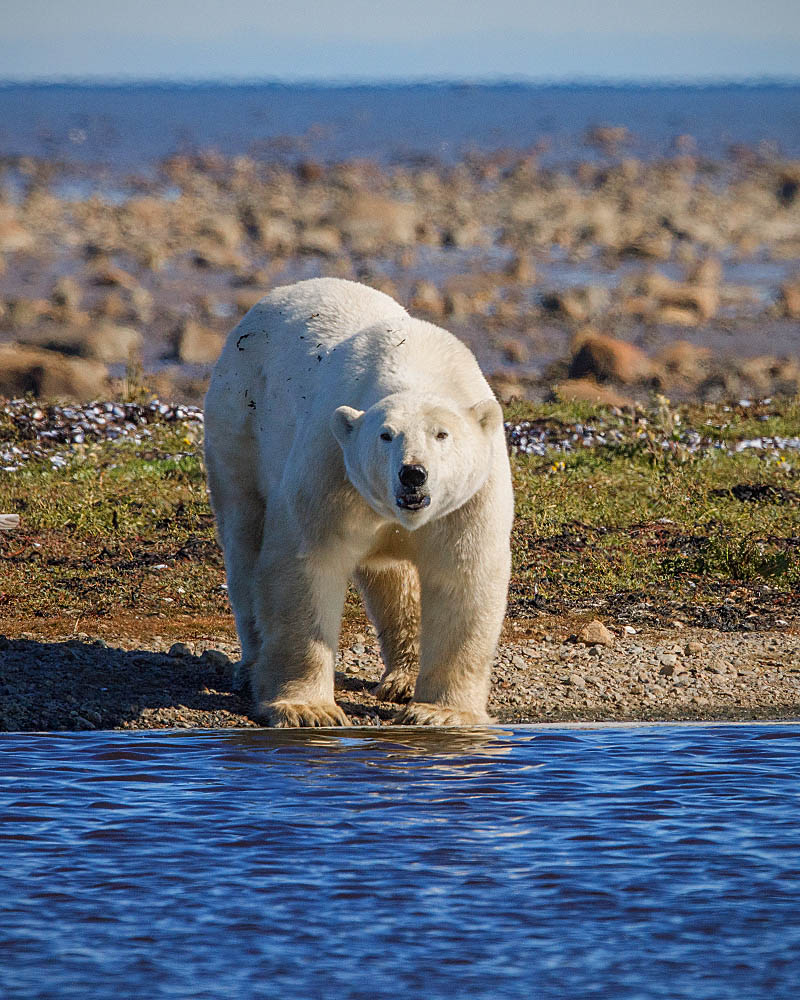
(83, 683)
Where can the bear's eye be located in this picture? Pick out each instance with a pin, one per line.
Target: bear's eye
(386, 436)
(441, 435)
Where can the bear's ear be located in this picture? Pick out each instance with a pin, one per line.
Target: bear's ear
(343, 421)
(489, 414)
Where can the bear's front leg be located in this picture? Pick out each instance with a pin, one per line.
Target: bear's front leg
(463, 604)
(299, 602)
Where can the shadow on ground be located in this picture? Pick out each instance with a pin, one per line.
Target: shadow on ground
(77, 685)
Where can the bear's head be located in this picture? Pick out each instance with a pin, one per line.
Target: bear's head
(413, 460)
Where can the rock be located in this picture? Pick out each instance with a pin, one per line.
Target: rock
(277, 235)
(595, 633)
(14, 237)
(608, 359)
(667, 670)
(215, 658)
(578, 304)
(609, 138)
(427, 298)
(697, 303)
(67, 294)
(789, 299)
(655, 245)
(179, 649)
(49, 375)
(103, 341)
(197, 345)
(105, 274)
(706, 272)
(17, 313)
(766, 374)
(520, 269)
(222, 229)
(514, 351)
(370, 222)
(246, 299)
(685, 361)
(209, 255)
(320, 239)
(112, 344)
(464, 235)
(694, 647)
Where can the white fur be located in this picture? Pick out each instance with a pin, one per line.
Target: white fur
(304, 489)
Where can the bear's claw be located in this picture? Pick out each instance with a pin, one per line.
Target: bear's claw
(395, 686)
(419, 713)
(295, 714)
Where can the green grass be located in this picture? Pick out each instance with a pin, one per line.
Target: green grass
(624, 523)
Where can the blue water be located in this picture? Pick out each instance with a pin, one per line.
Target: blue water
(639, 862)
(132, 126)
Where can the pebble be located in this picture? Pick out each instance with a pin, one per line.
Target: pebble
(39, 427)
(179, 649)
(595, 633)
(534, 439)
(214, 657)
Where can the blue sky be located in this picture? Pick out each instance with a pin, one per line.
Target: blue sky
(406, 39)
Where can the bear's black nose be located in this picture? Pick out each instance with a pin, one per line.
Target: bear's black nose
(412, 476)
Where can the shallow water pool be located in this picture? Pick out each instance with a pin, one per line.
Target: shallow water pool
(622, 862)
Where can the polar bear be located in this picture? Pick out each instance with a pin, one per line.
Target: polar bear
(346, 440)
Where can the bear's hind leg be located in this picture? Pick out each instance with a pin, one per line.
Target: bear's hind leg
(391, 597)
(239, 511)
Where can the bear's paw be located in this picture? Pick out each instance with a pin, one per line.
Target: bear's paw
(420, 713)
(296, 714)
(396, 686)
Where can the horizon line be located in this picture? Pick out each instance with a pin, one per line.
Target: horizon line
(489, 80)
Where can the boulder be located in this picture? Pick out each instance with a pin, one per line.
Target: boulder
(107, 275)
(370, 222)
(594, 633)
(101, 341)
(789, 299)
(608, 359)
(197, 345)
(13, 236)
(693, 303)
(707, 271)
(427, 298)
(19, 312)
(111, 343)
(578, 304)
(683, 361)
(67, 294)
(320, 239)
(49, 374)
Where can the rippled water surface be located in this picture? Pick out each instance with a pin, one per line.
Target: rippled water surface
(637, 862)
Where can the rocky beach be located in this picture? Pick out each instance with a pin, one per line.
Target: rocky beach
(601, 281)
(638, 315)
